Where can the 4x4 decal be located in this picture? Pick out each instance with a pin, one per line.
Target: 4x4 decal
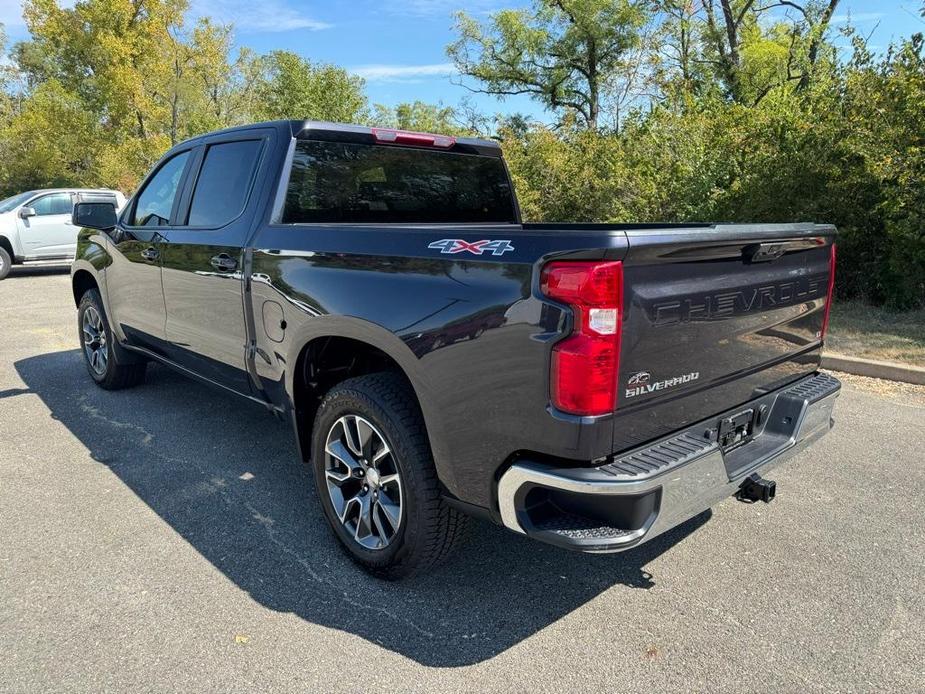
(496, 247)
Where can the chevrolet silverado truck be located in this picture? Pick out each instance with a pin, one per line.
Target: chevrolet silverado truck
(586, 385)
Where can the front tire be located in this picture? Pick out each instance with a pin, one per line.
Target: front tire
(376, 480)
(98, 347)
(5, 263)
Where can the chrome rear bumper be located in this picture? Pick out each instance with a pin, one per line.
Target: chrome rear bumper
(645, 492)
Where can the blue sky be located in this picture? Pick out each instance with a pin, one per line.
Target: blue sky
(398, 46)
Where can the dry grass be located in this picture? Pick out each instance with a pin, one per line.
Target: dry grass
(859, 330)
(907, 393)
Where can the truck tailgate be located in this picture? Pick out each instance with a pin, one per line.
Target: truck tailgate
(715, 317)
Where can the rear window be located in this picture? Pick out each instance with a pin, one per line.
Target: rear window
(346, 182)
(221, 191)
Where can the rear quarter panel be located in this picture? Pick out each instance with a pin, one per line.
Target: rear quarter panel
(470, 331)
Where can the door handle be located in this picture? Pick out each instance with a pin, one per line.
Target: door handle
(224, 262)
(150, 254)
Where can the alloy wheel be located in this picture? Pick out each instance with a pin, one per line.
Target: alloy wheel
(96, 347)
(363, 482)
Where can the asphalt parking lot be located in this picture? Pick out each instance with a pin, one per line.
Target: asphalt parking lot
(166, 538)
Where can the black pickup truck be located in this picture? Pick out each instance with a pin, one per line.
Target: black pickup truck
(587, 385)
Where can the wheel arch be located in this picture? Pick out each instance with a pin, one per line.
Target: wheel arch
(7, 245)
(82, 281)
(357, 347)
(84, 277)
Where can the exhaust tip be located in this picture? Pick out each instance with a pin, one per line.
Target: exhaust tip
(756, 488)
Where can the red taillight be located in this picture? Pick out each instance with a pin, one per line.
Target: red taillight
(830, 296)
(406, 137)
(583, 377)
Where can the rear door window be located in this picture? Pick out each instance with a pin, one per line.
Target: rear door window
(155, 201)
(348, 182)
(224, 183)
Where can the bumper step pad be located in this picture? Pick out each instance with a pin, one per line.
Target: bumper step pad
(680, 449)
(640, 494)
(575, 527)
(814, 389)
(675, 451)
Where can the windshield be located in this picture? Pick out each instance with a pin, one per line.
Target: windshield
(342, 182)
(15, 201)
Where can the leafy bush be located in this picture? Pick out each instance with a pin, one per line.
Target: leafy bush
(848, 152)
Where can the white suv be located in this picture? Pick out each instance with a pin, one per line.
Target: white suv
(36, 225)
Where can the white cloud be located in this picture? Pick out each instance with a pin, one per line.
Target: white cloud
(403, 73)
(257, 16)
(436, 8)
(857, 17)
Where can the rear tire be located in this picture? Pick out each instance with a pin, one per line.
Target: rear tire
(383, 472)
(6, 262)
(99, 348)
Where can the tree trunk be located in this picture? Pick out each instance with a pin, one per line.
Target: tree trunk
(174, 117)
(175, 100)
(733, 58)
(817, 31)
(594, 89)
(730, 59)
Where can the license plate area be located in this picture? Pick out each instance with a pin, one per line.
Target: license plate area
(736, 430)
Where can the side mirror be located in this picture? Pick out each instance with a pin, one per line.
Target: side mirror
(94, 215)
(26, 212)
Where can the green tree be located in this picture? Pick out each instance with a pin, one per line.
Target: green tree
(290, 86)
(566, 54)
(8, 77)
(752, 58)
(136, 77)
(847, 150)
(195, 82)
(130, 70)
(51, 141)
(678, 69)
(883, 106)
(419, 116)
(115, 54)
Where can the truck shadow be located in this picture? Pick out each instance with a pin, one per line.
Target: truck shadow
(226, 477)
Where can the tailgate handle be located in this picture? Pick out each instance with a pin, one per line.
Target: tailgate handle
(763, 252)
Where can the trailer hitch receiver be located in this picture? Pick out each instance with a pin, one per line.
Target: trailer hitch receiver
(756, 488)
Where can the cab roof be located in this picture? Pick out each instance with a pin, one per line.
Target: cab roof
(361, 134)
